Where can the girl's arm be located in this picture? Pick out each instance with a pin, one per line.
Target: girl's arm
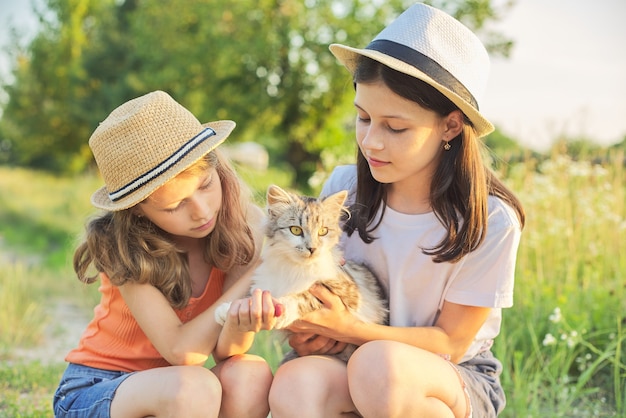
(179, 343)
(245, 318)
(452, 335)
(191, 342)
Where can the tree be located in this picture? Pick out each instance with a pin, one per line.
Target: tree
(43, 121)
(264, 64)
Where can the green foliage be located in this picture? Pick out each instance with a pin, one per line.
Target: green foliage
(27, 389)
(42, 213)
(583, 148)
(258, 181)
(43, 122)
(619, 146)
(502, 145)
(562, 344)
(22, 318)
(264, 64)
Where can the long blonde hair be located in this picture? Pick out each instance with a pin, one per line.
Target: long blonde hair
(129, 248)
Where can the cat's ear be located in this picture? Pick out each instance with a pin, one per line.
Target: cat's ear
(277, 195)
(277, 200)
(336, 199)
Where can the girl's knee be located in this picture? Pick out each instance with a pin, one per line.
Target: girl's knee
(311, 386)
(374, 353)
(389, 354)
(196, 382)
(244, 370)
(381, 362)
(246, 381)
(298, 373)
(192, 390)
(288, 391)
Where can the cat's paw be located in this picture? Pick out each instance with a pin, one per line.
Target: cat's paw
(221, 313)
(286, 318)
(281, 323)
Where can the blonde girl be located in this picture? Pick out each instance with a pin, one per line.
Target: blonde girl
(177, 235)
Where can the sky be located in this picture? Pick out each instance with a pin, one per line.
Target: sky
(566, 75)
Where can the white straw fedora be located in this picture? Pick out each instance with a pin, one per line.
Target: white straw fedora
(432, 46)
(144, 143)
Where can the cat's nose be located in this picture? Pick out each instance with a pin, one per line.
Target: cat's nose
(311, 249)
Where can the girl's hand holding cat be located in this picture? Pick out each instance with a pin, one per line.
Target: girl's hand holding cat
(330, 321)
(254, 313)
(306, 344)
(244, 318)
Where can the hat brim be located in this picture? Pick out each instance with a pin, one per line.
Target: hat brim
(100, 198)
(349, 56)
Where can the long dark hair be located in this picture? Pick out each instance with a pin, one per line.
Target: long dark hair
(460, 185)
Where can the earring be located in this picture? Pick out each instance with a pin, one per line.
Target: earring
(447, 146)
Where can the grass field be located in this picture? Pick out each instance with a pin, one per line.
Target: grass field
(562, 344)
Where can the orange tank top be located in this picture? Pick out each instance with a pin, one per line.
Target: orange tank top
(114, 341)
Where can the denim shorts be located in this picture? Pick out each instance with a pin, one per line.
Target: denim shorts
(481, 375)
(86, 392)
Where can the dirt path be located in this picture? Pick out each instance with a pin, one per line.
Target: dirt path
(65, 320)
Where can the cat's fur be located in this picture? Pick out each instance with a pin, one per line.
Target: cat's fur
(300, 250)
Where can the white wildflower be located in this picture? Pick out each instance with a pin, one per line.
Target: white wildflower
(555, 317)
(571, 340)
(549, 340)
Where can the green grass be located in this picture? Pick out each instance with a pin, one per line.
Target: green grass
(22, 317)
(41, 214)
(562, 344)
(27, 389)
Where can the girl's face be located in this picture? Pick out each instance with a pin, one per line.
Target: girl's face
(401, 140)
(186, 206)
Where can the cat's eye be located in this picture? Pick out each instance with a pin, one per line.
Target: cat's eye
(296, 230)
(323, 231)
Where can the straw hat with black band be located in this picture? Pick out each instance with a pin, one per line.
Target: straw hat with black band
(144, 143)
(432, 46)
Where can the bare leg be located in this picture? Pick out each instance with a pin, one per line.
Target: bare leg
(189, 391)
(246, 381)
(391, 379)
(311, 386)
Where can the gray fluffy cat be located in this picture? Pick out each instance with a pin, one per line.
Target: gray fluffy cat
(300, 250)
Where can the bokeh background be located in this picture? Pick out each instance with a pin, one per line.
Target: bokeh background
(557, 95)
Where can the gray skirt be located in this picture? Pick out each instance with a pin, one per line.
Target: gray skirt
(481, 375)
